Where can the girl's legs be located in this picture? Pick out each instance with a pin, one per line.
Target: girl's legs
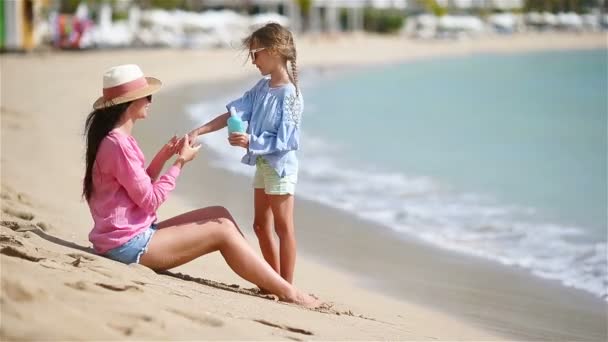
(262, 225)
(282, 209)
(188, 236)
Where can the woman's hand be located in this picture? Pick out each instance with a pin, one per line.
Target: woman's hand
(187, 152)
(169, 149)
(239, 139)
(192, 136)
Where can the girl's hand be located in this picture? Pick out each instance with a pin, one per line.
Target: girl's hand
(193, 135)
(239, 139)
(169, 149)
(187, 152)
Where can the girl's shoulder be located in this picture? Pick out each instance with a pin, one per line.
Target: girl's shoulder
(290, 94)
(261, 84)
(281, 92)
(286, 90)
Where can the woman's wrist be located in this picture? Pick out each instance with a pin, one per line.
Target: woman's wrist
(180, 162)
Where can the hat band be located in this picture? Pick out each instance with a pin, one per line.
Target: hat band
(113, 92)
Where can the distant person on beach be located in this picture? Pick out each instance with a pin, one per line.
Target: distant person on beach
(273, 109)
(123, 195)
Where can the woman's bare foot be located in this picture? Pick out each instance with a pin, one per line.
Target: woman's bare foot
(263, 291)
(306, 300)
(298, 297)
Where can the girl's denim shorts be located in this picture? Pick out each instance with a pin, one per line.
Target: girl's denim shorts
(132, 250)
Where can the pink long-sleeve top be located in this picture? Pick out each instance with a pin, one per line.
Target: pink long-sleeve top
(124, 199)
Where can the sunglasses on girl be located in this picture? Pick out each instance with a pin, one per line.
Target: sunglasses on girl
(149, 98)
(253, 53)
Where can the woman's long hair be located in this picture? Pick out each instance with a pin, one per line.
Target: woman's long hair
(97, 126)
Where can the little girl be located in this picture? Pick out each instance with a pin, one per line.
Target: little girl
(272, 108)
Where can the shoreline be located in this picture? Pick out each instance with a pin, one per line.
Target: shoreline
(42, 159)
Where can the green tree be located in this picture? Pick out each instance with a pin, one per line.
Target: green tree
(382, 21)
(554, 6)
(305, 7)
(69, 6)
(433, 7)
(167, 4)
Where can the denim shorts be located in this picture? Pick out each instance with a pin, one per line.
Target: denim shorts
(132, 250)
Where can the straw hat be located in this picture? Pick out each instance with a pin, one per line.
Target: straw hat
(125, 83)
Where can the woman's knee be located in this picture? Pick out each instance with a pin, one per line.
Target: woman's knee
(220, 211)
(226, 223)
(226, 230)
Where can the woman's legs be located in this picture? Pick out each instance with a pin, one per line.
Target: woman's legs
(174, 245)
(282, 210)
(201, 214)
(262, 226)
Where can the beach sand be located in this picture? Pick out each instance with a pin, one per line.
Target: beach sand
(54, 288)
